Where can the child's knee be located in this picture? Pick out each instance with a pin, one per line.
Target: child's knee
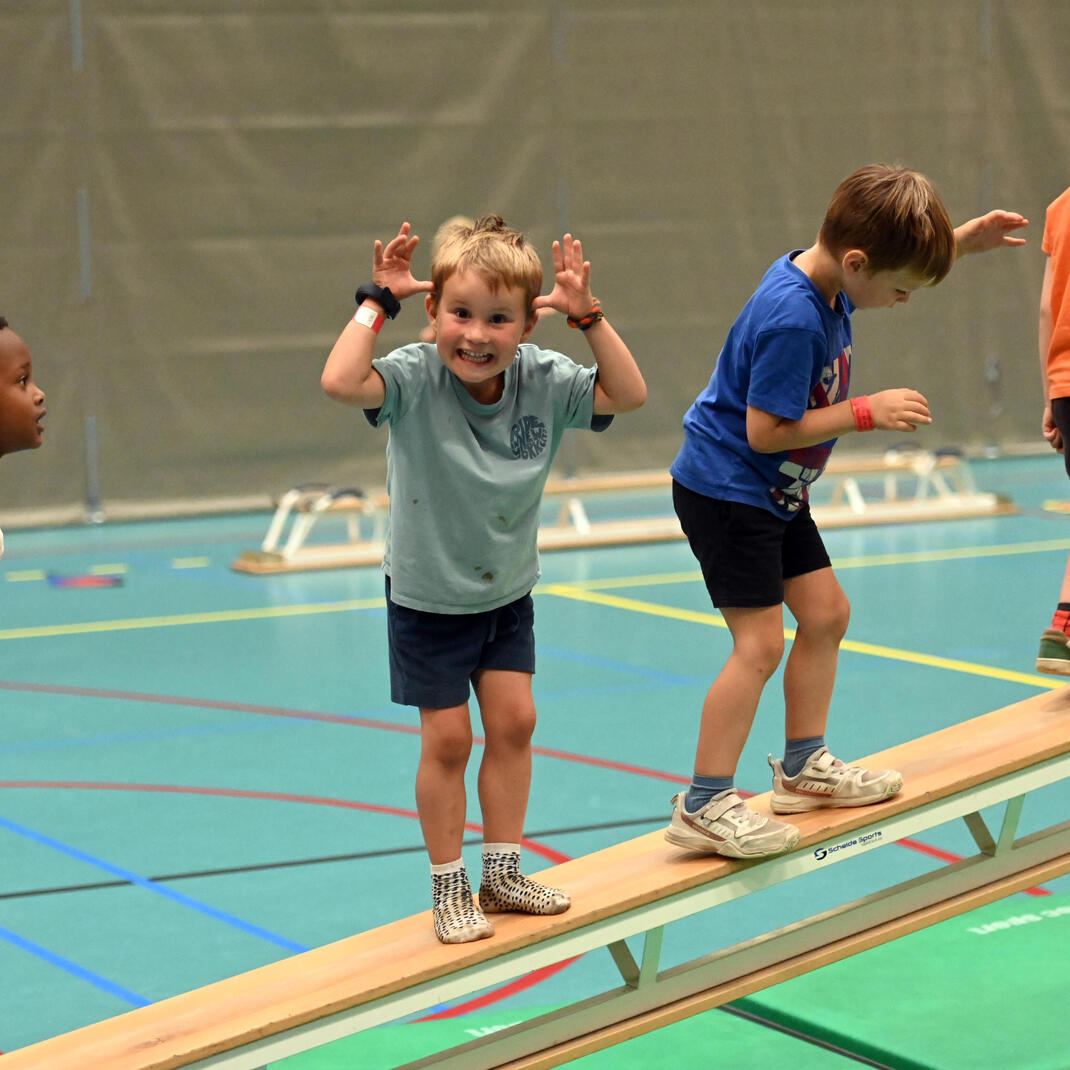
(448, 745)
(829, 619)
(761, 652)
(514, 728)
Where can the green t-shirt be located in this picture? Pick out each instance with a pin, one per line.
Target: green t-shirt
(465, 480)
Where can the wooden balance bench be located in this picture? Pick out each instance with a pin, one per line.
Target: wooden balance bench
(632, 889)
(939, 487)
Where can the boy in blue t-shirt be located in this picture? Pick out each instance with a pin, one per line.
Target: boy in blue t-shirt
(475, 417)
(754, 441)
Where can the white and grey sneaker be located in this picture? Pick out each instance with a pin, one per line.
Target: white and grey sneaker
(727, 826)
(825, 782)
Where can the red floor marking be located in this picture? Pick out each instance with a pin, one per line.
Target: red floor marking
(386, 726)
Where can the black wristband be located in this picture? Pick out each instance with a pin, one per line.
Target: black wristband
(381, 294)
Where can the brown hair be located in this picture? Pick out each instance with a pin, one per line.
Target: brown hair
(501, 255)
(896, 217)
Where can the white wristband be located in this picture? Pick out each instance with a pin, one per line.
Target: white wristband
(369, 317)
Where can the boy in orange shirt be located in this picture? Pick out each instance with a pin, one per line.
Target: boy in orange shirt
(1054, 656)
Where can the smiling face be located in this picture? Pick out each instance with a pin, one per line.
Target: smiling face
(478, 329)
(22, 403)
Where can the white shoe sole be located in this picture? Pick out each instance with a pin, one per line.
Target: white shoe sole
(693, 841)
(798, 804)
(1054, 666)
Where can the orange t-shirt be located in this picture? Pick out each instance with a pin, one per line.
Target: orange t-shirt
(1057, 245)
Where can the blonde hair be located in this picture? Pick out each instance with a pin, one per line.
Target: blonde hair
(896, 217)
(500, 255)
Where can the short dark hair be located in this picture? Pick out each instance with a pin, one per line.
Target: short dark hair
(3, 323)
(896, 217)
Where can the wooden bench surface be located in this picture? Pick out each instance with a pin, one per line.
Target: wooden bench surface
(394, 957)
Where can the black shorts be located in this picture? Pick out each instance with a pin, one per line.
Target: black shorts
(434, 655)
(1060, 412)
(745, 552)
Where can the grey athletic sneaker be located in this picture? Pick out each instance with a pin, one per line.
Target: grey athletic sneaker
(1054, 656)
(727, 826)
(826, 781)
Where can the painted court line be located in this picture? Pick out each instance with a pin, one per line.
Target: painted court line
(73, 968)
(715, 620)
(223, 616)
(149, 886)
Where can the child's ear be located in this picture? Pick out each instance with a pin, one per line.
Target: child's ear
(529, 326)
(431, 304)
(855, 260)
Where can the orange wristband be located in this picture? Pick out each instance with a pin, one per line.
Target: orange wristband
(370, 318)
(862, 413)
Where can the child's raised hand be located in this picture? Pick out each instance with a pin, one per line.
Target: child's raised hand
(572, 281)
(990, 231)
(899, 410)
(392, 266)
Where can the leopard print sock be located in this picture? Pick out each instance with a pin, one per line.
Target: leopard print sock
(457, 918)
(505, 888)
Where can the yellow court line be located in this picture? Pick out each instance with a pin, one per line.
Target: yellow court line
(874, 560)
(25, 575)
(219, 617)
(715, 620)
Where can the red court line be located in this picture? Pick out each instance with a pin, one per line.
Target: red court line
(387, 726)
(494, 996)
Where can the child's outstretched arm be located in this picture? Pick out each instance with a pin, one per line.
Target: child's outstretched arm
(620, 386)
(348, 374)
(990, 231)
(899, 409)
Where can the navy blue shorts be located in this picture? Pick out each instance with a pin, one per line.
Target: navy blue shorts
(433, 656)
(745, 552)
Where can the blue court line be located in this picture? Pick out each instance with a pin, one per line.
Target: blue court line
(73, 968)
(152, 886)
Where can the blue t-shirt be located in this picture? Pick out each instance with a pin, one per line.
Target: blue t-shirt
(787, 352)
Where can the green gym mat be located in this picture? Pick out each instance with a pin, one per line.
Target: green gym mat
(734, 1042)
(985, 990)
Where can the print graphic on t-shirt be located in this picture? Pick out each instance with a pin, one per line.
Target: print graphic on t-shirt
(803, 466)
(528, 437)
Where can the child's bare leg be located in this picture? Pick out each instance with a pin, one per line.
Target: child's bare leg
(809, 777)
(507, 708)
(508, 711)
(711, 817)
(822, 611)
(732, 700)
(445, 744)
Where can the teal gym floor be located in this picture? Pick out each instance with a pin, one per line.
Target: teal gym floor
(201, 772)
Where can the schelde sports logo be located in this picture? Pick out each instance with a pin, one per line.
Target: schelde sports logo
(871, 838)
(528, 437)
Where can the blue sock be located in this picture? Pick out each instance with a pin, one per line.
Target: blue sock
(796, 751)
(703, 788)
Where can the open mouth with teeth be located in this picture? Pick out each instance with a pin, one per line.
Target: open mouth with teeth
(471, 357)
